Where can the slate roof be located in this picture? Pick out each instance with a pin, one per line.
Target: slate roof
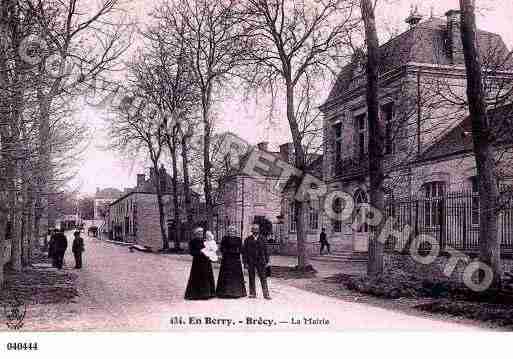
(424, 43)
(314, 168)
(459, 139)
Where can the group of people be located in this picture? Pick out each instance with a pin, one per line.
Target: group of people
(59, 244)
(230, 283)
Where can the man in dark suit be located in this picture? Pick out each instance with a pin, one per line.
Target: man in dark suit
(60, 246)
(78, 248)
(324, 241)
(256, 259)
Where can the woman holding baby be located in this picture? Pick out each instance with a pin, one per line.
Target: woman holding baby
(203, 249)
(201, 283)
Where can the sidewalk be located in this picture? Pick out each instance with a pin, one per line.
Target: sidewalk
(324, 269)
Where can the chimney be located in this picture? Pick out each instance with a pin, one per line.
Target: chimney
(287, 152)
(454, 44)
(262, 146)
(414, 18)
(141, 178)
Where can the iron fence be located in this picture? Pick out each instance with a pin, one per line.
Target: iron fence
(452, 219)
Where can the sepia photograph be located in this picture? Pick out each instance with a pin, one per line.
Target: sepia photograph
(254, 166)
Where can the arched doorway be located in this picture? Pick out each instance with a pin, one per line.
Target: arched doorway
(361, 232)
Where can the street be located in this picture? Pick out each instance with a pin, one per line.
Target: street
(123, 291)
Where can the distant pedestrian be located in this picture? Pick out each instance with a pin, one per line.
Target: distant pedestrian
(201, 284)
(230, 283)
(256, 259)
(78, 249)
(324, 241)
(60, 246)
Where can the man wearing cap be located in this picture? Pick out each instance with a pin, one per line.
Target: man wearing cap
(78, 248)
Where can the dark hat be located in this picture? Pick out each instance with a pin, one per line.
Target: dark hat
(76, 233)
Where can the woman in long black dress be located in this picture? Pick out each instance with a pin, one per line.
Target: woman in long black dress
(201, 283)
(230, 283)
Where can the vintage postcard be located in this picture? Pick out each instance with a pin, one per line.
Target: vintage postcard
(255, 166)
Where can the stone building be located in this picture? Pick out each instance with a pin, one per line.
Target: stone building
(244, 199)
(102, 199)
(312, 213)
(134, 217)
(427, 132)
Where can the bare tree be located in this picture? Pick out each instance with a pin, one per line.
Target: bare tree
(294, 47)
(210, 32)
(73, 62)
(376, 135)
(168, 80)
(135, 127)
(482, 135)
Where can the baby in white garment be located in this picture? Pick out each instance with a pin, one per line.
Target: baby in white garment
(210, 247)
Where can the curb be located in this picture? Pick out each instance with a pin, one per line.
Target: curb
(124, 244)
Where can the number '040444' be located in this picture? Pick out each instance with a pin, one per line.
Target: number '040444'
(22, 346)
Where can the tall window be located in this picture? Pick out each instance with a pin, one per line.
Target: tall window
(387, 111)
(360, 198)
(313, 216)
(475, 200)
(433, 193)
(292, 217)
(362, 127)
(337, 223)
(337, 130)
(258, 194)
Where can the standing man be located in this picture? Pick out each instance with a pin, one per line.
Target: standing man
(256, 258)
(51, 248)
(324, 241)
(77, 248)
(60, 246)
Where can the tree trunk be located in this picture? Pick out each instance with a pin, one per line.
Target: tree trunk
(160, 204)
(489, 243)
(43, 164)
(172, 149)
(3, 243)
(207, 166)
(376, 172)
(300, 163)
(15, 218)
(186, 188)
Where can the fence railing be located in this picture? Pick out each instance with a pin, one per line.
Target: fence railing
(452, 219)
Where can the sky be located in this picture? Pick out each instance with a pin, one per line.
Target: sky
(102, 168)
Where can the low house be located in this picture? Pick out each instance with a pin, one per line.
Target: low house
(102, 199)
(244, 199)
(134, 217)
